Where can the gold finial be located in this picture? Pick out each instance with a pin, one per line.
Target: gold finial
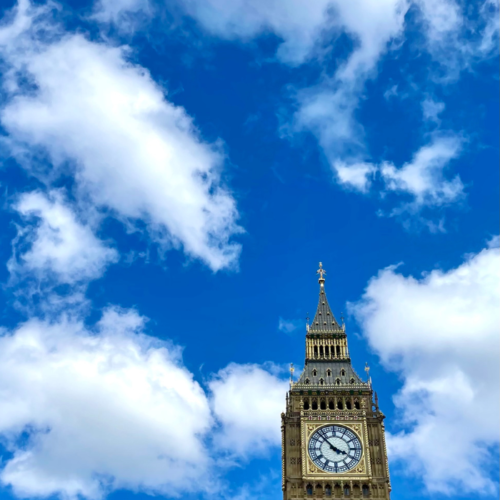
(321, 272)
(292, 369)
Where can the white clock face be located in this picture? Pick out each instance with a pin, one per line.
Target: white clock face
(335, 449)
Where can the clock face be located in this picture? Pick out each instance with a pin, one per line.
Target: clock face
(335, 449)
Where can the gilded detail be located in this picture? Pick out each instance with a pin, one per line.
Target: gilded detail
(333, 431)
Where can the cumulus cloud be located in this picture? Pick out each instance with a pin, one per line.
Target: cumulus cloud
(87, 411)
(93, 114)
(234, 391)
(54, 244)
(440, 333)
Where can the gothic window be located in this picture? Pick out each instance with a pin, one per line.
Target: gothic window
(314, 405)
(348, 405)
(347, 491)
(340, 405)
(342, 372)
(321, 350)
(337, 381)
(366, 490)
(319, 490)
(331, 404)
(315, 351)
(328, 490)
(327, 352)
(314, 373)
(356, 404)
(352, 381)
(321, 381)
(338, 351)
(306, 405)
(323, 405)
(309, 489)
(307, 380)
(329, 372)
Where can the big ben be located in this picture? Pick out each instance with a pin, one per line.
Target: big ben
(333, 439)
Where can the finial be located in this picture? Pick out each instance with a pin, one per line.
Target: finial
(307, 322)
(367, 370)
(321, 272)
(292, 369)
(342, 319)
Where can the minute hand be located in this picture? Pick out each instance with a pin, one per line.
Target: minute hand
(334, 448)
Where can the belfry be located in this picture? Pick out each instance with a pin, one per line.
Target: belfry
(333, 440)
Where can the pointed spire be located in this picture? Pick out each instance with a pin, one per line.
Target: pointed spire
(324, 321)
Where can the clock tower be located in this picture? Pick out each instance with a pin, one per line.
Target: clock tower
(333, 440)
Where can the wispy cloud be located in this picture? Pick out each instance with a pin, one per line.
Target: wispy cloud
(289, 325)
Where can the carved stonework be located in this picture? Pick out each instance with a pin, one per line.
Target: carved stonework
(316, 408)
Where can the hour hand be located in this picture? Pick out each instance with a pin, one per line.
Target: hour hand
(335, 449)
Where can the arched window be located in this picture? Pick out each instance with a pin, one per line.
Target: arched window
(342, 372)
(327, 352)
(340, 405)
(321, 381)
(315, 351)
(328, 490)
(321, 351)
(356, 404)
(306, 405)
(337, 381)
(352, 381)
(331, 404)
(314, 405)
(366, 490)
(307, 380)
(348, 405)
(329, 372)
(347, 491)
(338, 351)
(309, 489)
(314, 373)
(323, 405)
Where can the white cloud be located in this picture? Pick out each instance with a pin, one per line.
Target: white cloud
(289, 325)
(92, 112)
(298, 24)
(356, 175)
(328, 108)
(431, 109)
(423, 177)
(104, 408)
(458, 34)
(54, 244)
(440, 333)
(248, 400)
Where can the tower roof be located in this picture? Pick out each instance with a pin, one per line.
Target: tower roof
(324, 321)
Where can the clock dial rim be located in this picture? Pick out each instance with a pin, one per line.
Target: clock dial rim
(345, 467)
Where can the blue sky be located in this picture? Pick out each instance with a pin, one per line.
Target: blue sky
(173, 172)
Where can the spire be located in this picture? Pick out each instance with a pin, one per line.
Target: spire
(324, 321)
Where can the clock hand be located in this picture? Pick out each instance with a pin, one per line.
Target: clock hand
(334, 448)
